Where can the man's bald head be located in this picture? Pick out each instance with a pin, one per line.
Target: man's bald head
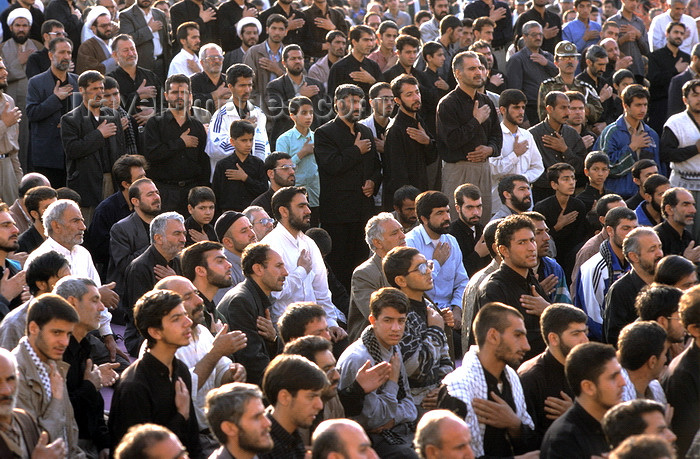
(342, 436)
(31, 180)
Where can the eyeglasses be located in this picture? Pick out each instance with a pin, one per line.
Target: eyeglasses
(266, 221)
(423, 268)
(214, 58)
(287, 167)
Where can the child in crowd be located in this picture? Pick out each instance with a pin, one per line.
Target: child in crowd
(201, 204)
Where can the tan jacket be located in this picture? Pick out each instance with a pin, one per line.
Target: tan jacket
(54, 416)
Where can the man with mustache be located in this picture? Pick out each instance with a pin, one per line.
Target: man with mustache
(42, 391)
(678, 210)
(566, 58)
(12, 280)
(96, 52)
(490, 388)
(209, 88)
(515, 196)
(468, 230)
(93, 139)
(642, 249)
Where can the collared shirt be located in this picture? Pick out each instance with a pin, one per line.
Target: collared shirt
(287, 445)
(682, 384)
(236, 274)
(384, 63)
(128, 86)
(575, 430)
(525, 74)
(450, 278)
(549, 20)
(572, 235)
(300, 285)
(503, 33)
(657, 32)
(430, 30)
(179, 63)
(401, 19)
(291, 142)
(672, 242)
(157, 46)
(636, 48)
(273, 56)
(575, 152)
(340, 74)
(574, 31)
(467, 236)
(202, 87)
(81, 265)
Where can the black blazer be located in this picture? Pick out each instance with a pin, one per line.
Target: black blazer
(128, 239)
(84, 146)
(132, 22)
(278, 94)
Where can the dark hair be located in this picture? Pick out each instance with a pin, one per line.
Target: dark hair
(557, 317)
(34, 196)
(254, 254)
(42, 268)
(673, 24)
(690, 86)
(150, 310)
(194, 256)
(47, 307)
(322, 239)
(121, 169)
(586, 362)
(430, 48)
(200, 194)
(333, 34)
(121, 37)
(467, 190)
(55, 41)
(493, 315)
(616, 215)
(89, 77)
(291, 373)
(656, 301)
(183, 30)
(270, 162)
(480, 44)
(296, 317)
(640, 165)
(596, 157)
(420, 14)
(625, 419)
(621, 75)
(403, 193)
(376, 87)
(68, 193)
(482, 21)
(283, 198)
(601, 207)
(383, 27)
(578, 2)
(297, 102)
(509, 226)
(49, 25)
(671, 269)
(511, 97)
(596, 52)
(237, 71)
(357, 31)
(449, 22)
(239, 128)
(429, 200)
(575, 95)
(388, 297)
(228, 403)
(689, 307)
(552, 98)
(458, 60)
(397, 263)
(554, 171)
(274, 18)
(111, 83)
(653, 182)
(507, 183)
(646, 446)
(412, 31)
(634, 91)
(490, 235)
(289, 48)
(669, 198)
(177, 78)
(135, 190)
(140, 438)
(398, 83)
(30, 181)
(534, 216)
(345, 90)
(638, 342)
(308, 346)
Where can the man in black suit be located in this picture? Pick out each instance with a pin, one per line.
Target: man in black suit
(141, 21)
(350, 172)
(467, 229)
(247, 308)
(93, 139)
(48, 99)
(283, 89)
(675, 93)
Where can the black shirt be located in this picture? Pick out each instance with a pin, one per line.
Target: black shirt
(570, 238)
(619, 305)
(128, 87)
(506, 286)
(234, 194)
(541, 377)
(146, 394)
(340, 74)
(169, 159)
(287, 445)
(672, 243)
(38, 62)
(188, 10)
(467, 238)
(207, 229)
(590, 195)
(574, 154)
(503, 33)
(227, 17)
(202, 87)
(575, 435)
(637, 199)
(107, 213)
(549, 20)
(430, 96)
(682, 387)
(496, 441)
(264, 201)
(299, 36)
(31, 239)
(459, 133)
(88, 404)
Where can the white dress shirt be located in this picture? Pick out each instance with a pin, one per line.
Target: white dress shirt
(657, 32)
(179, 64)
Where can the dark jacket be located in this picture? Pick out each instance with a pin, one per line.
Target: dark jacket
(682, 386)
(44, 112)
(132, 22)
(241, 307)
(63, 13)
(343, 171)
(88, 154)
(187, 10)
(675, 93)
(128, 238)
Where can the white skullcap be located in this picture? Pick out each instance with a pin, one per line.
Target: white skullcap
(96, 12)
(248, 21)
(19, 13)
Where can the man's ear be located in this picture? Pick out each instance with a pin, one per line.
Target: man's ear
(400, 281)
(200, 271)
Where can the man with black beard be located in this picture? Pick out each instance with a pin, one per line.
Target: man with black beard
(279, 168)
(408, 148)
(12, 278)
(514, 192)
(96, 53)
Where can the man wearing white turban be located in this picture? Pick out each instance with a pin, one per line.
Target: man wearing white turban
(96, 52)
(35, 9)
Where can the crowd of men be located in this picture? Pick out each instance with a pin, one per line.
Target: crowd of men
(395, 229)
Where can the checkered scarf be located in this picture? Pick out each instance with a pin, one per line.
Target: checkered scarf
(41, 368)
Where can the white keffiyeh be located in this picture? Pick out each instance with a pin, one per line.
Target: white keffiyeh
(43, 374)
(468, 382)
